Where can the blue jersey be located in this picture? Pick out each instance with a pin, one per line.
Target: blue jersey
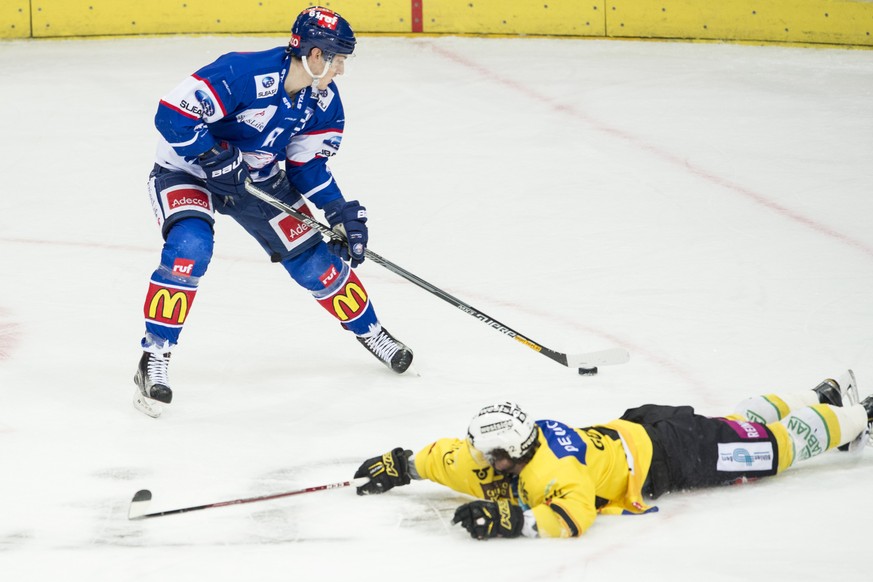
(241, 99)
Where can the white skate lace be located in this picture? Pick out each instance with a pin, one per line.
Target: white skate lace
(157, 369)
(382, 345)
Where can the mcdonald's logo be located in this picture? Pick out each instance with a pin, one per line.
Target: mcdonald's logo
(168, 305)
(351, 302)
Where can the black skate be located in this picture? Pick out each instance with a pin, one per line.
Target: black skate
(838, 393)
(152, 383)
(386, 348)
(829, 392)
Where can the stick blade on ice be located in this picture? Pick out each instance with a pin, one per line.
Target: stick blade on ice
(609, 357)
(139, 505)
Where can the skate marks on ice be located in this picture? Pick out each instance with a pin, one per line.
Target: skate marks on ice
(10, 335)
(14, 539)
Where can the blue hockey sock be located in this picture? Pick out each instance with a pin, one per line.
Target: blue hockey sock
(335, 286)
(184, 259)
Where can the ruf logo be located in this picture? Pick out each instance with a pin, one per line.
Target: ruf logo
(325, 18)
(168, 305)
(183, 267)
(329, 276)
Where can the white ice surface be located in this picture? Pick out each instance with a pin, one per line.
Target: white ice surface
(705, 206)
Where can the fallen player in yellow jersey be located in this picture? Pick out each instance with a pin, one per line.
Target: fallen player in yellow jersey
(545, 478)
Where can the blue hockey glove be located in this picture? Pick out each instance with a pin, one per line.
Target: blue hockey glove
(490, 519)
(385, 472)
(350, 220)
(226, 172)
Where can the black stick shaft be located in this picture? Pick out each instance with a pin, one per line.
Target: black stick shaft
(559, 357)
(356, 482)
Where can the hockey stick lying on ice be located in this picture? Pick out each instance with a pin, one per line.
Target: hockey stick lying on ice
(139, 505)
(585, 360)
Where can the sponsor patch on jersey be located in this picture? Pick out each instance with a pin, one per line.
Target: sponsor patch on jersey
(267, 85)
(563, 440)
(330, 146)
(333, 142)
(207, 106)
(186, 197)
(195, 98)
(257, 118)
(745, 456)
(325, 98)
(495, 490)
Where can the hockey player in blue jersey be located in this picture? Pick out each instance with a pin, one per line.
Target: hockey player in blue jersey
(242, 118)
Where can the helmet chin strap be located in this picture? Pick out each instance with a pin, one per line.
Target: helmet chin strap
(316, 78)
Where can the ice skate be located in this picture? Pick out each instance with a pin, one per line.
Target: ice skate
(842, 392)
(384, 346)
(152, 382)
(865, 438)
(829, 392)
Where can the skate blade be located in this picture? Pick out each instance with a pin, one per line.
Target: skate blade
(145, 405)
(849, 389)
(862, 441)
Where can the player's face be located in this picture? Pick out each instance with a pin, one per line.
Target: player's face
(335, 66)
(498, 459)
(506, 465)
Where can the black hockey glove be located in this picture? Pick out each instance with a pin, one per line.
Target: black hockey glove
(226, 172)
(385, 472)
(350, 220)
(490, 519)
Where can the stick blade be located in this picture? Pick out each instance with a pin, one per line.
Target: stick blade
(608, 357)
(139, 505)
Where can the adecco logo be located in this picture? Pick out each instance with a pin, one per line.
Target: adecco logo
(186, 197)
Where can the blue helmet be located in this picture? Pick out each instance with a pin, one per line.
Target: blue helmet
(322, 28)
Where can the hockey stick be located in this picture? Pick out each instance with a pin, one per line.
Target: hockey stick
(586, 360)
(139, 505)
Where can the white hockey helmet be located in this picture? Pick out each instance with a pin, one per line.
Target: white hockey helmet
(501, 429)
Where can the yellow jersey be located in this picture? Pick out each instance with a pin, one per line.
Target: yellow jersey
(574, 474)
